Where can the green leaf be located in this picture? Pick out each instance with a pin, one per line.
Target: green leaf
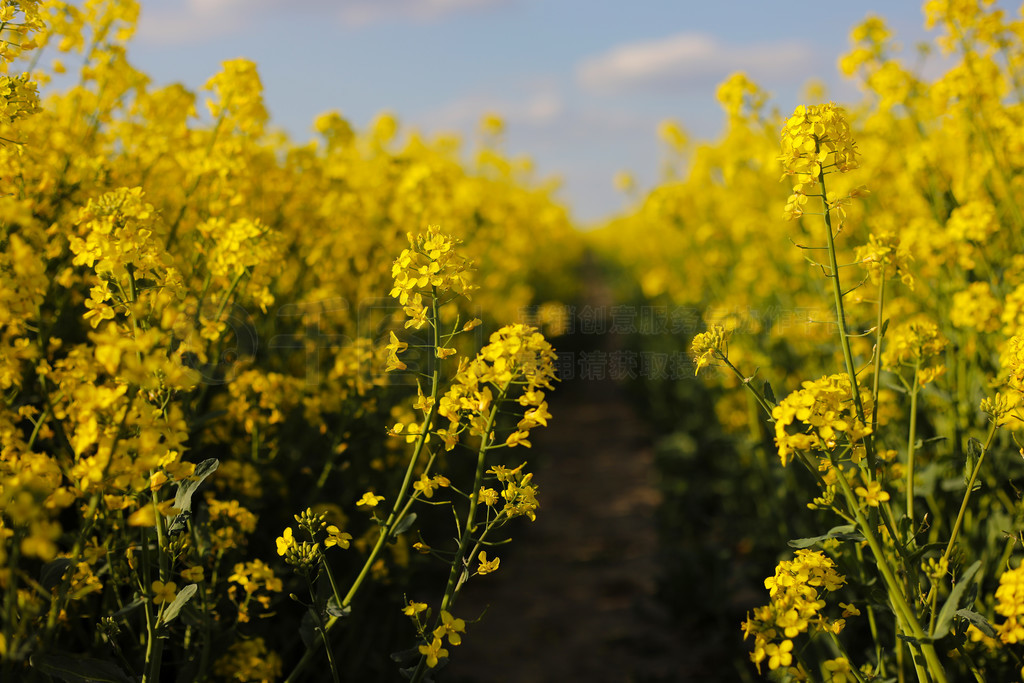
(52, 572)
(974, 451)
(404, 525)
(915, 641)
(958, 484)
(78, 669)
(769, 395)
(307, 629)
(131, 606)
(885, 326)
(978, 620)
(336, 610)
(183, 498)
(405, 656)
(952, 604)
(846, 532)
(917, 555)
(183, 596)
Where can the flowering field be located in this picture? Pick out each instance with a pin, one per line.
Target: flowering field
(862, 323)
(266, 404)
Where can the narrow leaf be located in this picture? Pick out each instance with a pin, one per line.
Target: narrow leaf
(978, 620)
(307, 630)
(404, 525)
(183, 498)
(53, 572)
(131, 606)
(78, 669)
(846, 532)
(952, 604)
(915, 641)
(974, 451)
(183, 596)
(336, 610)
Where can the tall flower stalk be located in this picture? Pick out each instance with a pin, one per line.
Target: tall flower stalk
(507, 377)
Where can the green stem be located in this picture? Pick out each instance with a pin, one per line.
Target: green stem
(454, 576)
(837, 292)
(872, 620)
(323, 633)
(879, 324)
(397, 509)
(842, 650)
(330, 578)
(57, 606)
(911, 442)
(154, 644)
(746, 382)
(967, 494)
(459, 570)
(905, 615)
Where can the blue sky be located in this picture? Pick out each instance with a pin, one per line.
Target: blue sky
(582, 84)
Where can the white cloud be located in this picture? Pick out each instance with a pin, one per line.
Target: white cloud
(171, 22)
(538, 106)
(193, 21)
(362, 12)
(684, 59)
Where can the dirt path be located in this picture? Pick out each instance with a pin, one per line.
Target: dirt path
(575, 596)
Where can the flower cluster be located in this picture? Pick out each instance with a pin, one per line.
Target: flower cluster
(519, 493)
(815, 140)
(819, 417)
(813, 134)
(306, 554)
(708, 345)
(430, 263)
(795, 590)
(1012, 362)
(147, 257)
(249, 660)
(257, 582)
(885, 256)
(1010, 604)
(517, 355)
(914, 343)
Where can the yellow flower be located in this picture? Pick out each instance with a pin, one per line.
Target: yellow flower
(1010, 604)
(707, 345)
(487, 566)
(518, 438)
(849, 610)
(164, 592)
(394, 348)
(192, 574)
(873, 494)
(779, 655)
(337, 537)
(839, 671)
(433, 652)
(414, 608)
(369, 500)
(451, 627)
(286, 541)
(488, 496)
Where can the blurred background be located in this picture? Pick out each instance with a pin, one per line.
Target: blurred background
(581, 84)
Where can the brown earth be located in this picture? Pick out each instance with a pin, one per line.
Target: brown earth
(576, 598)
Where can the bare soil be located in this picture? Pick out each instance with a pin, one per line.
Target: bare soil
(575, 598)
